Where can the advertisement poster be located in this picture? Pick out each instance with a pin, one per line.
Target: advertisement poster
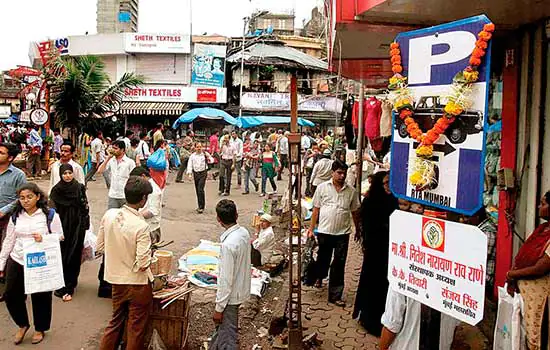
(431, 59)
(278, 101)
(208, 65)
(441, 264)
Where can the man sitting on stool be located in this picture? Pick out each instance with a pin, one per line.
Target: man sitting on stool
(262, 246)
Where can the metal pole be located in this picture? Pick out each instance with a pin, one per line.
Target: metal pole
(360, 137)
(242, 68)
(295, 226)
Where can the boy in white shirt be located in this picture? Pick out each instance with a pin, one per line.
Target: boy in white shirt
(262, 246)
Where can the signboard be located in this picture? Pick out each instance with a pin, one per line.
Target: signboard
(431, 57)
(208, 65)
(5, 111)
(25, 116)
(439, 263)
(281, 102)
(176, 93)
(39, 116)
(157, 43)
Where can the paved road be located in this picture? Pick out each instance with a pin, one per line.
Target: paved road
(80, 323)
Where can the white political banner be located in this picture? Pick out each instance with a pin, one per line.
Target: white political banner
(275, 101)
(43, 267)
(439, 263)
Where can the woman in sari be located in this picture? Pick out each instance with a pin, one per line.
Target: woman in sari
(69, 199)
(531, 276)
(373, 283)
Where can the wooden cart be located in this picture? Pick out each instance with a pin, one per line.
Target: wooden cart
(172, 323)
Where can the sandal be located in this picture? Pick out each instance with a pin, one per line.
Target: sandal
(340, 303)
(38, 337)
(20, 335)
(67, 298)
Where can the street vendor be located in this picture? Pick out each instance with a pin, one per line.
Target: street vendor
(262, 246)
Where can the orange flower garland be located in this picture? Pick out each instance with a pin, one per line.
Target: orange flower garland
(452, 110)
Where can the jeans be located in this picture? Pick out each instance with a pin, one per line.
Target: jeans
(271, 180)
(238, 169)
(225, 175)
(200, 181)
(250, 176)
(327, 245)
(227, 333)
(131, 308)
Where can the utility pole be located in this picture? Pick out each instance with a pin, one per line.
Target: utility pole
(295, 225)
(360, 137)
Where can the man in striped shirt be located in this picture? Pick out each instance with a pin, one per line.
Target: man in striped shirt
(335, 203)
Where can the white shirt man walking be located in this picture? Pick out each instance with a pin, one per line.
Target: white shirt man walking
(233, 278)
(334, 205)
(197, 167)
(120, 166)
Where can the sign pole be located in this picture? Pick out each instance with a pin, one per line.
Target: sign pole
(295, 225)
(360, 137)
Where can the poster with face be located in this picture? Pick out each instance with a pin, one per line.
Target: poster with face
(208, 65)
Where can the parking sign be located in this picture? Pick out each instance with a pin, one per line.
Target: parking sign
(431, 58)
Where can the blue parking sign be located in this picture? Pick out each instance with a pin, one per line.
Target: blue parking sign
(431, 58)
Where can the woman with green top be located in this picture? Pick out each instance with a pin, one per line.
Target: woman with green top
(270, 164)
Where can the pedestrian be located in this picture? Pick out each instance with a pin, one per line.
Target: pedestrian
(69, 199)
(233, 277)
(237, 144)
(263, 245)
(160, 176)
(11, 178)
(124, 239)
(185, 152)
(66, 157)
(270, 165)
(305, 142)
(157, 135)
(128, 135)
(57, 142)
(152, 211)
(142, 151)
(530, 276)
(283, 153)
(97, 156)
(228, 155)
(197, 167)
(29, 220)
(119, 167)
(322, 170)
(309, 162)
(375, 212)
(335, 204)
(34, 156)
(131, 152)
(251, 155)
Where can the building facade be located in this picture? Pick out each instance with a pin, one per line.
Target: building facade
(117, 16)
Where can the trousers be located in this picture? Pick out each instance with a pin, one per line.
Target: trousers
(329, 244)
(182, 168)
(225, 175)
(34, 161)
(131, 308)
(264, 181)
(238, 170)
(200, 180)
(227, 333)
(250, 176)
(15, 298)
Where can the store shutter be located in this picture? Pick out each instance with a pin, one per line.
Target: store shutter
(111, 68)
(164, 68)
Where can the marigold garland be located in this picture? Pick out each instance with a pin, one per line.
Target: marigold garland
(424, 170)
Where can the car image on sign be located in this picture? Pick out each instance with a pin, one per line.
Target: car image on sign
(427, 111)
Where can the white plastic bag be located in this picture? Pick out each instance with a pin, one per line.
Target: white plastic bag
(508, 330)
(43, 267)
(90, 245)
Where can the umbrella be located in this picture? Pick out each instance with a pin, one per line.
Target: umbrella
(206, 113)
(252, 121)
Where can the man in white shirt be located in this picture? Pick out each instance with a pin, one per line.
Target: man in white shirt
(227, 155)
(283, 154)
(97, 155)
(335, 203)
(142, 150)
(237, 144)
(119, 167)
(127, 139)
(152, 211)
(262, 246)
(197, 167)
(66, 157)
(322, 170)
(233, 277)
(305, 142)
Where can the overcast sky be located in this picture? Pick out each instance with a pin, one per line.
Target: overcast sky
(24, 21)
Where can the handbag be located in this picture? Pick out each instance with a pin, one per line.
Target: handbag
(157, 160)
(43, 268)
(508, 330)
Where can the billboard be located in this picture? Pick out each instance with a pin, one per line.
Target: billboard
(208, 65)
(443, 112)
(175, 93)
(278, 101)
(441, 264)
(157, 43)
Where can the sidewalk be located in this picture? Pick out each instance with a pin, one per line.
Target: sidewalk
(334, 324)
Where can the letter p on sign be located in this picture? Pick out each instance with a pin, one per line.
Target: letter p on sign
(422, 57)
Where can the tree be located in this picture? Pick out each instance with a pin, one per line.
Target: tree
(80, 88)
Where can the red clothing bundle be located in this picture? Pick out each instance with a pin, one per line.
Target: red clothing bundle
(372, 108)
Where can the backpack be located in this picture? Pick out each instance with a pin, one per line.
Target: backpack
(49, 218)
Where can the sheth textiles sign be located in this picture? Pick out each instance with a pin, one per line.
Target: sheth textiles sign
(281, 102)
(157, 43)
(439, 263)
(175, 93)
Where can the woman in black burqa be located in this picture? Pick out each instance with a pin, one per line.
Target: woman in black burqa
(373, 284)
(69, 199)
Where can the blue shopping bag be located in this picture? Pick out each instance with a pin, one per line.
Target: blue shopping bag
(157, 160)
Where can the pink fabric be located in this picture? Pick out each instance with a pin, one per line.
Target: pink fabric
(373, 112)
(213, 145)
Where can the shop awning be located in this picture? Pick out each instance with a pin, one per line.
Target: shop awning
(250, 122)
(208, 114)
(153, 108)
